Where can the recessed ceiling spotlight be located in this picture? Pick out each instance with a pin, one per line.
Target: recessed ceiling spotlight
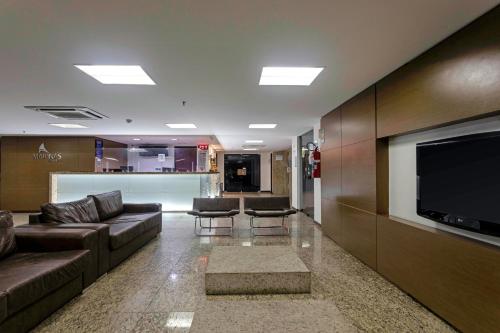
(181, 125)
(250, 149)
(117, 74)
(68, 125)
(174, 139)
(254, 141)
(136, 139)
(262, 125)
(289, 76)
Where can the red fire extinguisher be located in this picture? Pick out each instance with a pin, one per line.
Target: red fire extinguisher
(317, 163)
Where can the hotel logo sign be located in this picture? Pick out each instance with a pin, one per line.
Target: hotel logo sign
(44, 154)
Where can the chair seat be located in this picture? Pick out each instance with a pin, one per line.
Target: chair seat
(270, 213)
(224, 213)
(27, 277)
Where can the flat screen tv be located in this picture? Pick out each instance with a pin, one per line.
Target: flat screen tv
(458, 182)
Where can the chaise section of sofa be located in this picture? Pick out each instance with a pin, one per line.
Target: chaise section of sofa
(44, 270)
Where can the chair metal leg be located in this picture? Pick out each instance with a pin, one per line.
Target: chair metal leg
(285, 228)
(210, 227)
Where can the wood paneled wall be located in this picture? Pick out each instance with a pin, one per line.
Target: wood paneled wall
(348, 183)
(457, 80)
(25, 181)
(281, 176)
(457, 278)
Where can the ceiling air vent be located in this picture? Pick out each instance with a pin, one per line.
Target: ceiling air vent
(68, 112)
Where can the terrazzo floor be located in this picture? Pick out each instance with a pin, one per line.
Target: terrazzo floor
(161, 289)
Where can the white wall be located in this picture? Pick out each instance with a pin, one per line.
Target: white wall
(265, 167)
(265, 172)
(317, 181)
(402, 172)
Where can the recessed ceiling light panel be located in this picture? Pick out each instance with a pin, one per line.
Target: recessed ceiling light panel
(289, 76)
(136, 139)
(181, 125)
(262, 125)
(252, 149)
(111, 74)
(254, 141)
(68, 125)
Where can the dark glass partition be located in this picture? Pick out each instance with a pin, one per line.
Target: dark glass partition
(242, 172)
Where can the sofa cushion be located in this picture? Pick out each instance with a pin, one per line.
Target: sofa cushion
(80, 211)
(3, 305)
(108, 204)
(149, 220)
(7, 236)
(124, 232)
(27, 277)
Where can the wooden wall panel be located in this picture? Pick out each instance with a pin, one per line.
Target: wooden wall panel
(358, 117)
(331, 163)
(330, 123)
(358, 175)
(457, 278)
(359, 234)
(382, 176)
(280, 173)
(455, 80)
(25, 181)
(331, 220)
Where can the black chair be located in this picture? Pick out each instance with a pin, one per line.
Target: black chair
(263, 207)
(212, 208)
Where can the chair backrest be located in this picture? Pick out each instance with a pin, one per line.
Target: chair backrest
(266, 203)
(216, 204)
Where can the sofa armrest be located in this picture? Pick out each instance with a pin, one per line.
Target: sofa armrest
(141, 208)
(102, 230)
(48, 239)
(53, 239)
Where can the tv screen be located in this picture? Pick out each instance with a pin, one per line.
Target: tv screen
(458, 181)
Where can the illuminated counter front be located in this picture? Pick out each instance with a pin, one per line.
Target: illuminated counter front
(175, 191)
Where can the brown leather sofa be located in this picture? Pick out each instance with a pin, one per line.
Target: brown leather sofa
(40, 270)
(122, 228)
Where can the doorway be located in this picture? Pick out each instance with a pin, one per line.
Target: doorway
(241, 172)
(306, 149)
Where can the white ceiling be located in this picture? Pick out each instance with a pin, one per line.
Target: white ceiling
(209, 53)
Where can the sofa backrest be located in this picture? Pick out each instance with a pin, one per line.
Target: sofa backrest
(266, 203)
(108, 204)
(216, 204)
(80, 211)
(7, 236)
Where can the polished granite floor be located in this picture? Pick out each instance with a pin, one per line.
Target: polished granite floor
(161, 289)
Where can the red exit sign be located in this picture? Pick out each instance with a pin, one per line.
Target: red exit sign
(203, 146)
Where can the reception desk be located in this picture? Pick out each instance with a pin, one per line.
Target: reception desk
(175, 191)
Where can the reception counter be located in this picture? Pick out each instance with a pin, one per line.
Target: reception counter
(175, 191)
